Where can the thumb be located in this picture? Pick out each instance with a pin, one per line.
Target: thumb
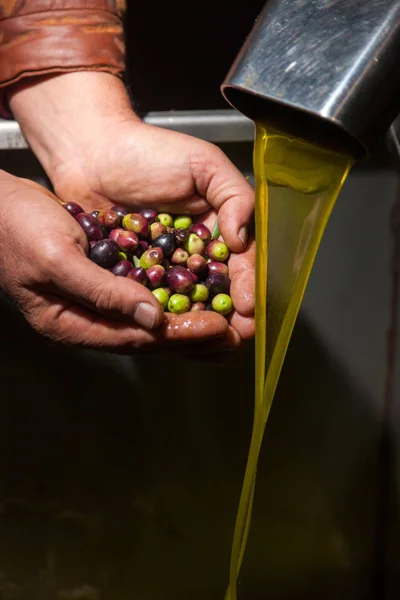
(81, 280)
(228, 192)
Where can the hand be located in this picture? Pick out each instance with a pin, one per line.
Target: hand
(69, 299)
(106, 155)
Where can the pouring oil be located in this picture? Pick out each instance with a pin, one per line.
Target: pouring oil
(297, 184)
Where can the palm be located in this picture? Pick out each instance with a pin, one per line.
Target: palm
(138, 166)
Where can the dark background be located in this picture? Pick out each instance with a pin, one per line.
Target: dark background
(179, 52)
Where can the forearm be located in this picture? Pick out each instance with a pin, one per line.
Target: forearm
(60, 67)
(68, 111)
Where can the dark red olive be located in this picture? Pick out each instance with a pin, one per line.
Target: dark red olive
(122, 268)
(105, 253)
(196, 263)
(149, 214)
(179, 280)
(217, 267)
(73, 208)
(90, 226)
(139, 275)
(218, 284)
(120, 210)
(109, 219)
(201, 231)
(156, 276)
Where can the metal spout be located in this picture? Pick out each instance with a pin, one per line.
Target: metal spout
(325, 70)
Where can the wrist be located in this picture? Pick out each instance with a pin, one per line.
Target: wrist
(61, 116)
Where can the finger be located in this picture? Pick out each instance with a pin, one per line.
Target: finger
(230, 194)
(245, 326)
(230, 341)
(64, 322)
(242, 274)
(74, 275)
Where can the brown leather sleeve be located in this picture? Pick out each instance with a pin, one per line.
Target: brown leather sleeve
(40, 37)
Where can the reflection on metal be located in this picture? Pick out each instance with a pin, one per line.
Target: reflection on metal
(216, 126)
(393, 141)
(325, 69)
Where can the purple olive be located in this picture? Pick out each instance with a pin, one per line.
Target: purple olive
(149, 214)
(198, 306)
(166, 242)
(218, 284)
(180, 257)
(194, 245)
(217, 267)
(201, 231)
(90, 226)
(122, 268)
(179, 280)
(137, 223)
(156, 229)
(126, 240)
(152, 256)
(218, 251)
(114, 233)
(73, 209)
(142, 247)
(156, 276)
(91, 244)
(120, 210)
(196, 263)
(105, 253)
(139, 275)
(181, 235)
(195, 278)
(95, 213)
(109, 219)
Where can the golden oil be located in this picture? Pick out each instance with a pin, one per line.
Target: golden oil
(297, 184)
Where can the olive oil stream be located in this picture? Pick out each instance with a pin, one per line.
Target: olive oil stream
(297, 184)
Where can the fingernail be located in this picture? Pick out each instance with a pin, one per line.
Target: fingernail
(145, 315)
(243, 235)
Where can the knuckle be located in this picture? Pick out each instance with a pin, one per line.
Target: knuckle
(103, 298)
(117, 299)
(48, 259)
(44, 326)
(48, 323)
(111, 301)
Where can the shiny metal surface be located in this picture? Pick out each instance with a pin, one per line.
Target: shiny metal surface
(334, 63)
(393, 141)
(216, 126)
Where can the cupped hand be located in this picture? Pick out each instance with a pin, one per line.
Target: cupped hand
(98, 153)
(45, 270)
(138, 165)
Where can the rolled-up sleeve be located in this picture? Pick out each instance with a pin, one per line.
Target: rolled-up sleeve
(39, 37)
